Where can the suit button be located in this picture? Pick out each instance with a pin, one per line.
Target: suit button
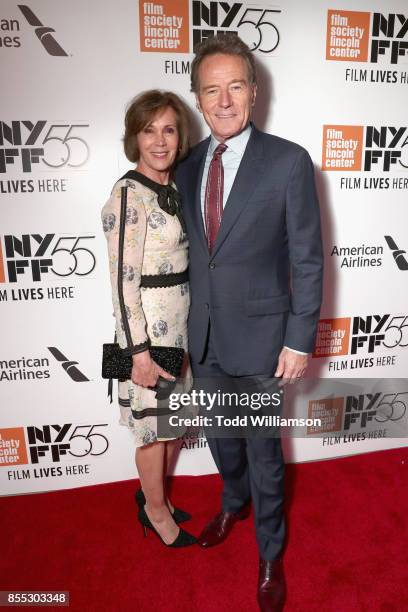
(212, 266)
(206, 306)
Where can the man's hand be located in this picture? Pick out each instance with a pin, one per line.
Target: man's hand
(145, 371)
(291, 366)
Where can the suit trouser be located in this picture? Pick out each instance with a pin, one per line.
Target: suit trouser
(251, 467)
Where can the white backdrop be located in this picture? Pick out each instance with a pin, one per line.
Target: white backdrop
(333, 77)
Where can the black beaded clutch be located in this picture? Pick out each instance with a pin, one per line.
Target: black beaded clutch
(116, 364)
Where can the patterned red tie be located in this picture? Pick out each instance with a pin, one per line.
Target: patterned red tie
(214, 191)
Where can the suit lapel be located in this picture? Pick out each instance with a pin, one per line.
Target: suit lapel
(247, 178)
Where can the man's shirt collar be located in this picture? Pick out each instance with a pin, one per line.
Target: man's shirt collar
(236, 144)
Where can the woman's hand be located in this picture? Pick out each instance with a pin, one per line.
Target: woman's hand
(145, 371)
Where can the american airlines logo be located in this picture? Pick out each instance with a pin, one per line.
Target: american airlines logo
(44, 33)
(38, 368)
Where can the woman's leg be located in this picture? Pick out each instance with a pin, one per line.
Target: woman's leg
(150, 466)
(171, 446)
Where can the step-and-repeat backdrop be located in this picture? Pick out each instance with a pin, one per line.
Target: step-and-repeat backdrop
(333, 76)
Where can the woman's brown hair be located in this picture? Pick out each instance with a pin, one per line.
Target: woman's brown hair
(143, 109)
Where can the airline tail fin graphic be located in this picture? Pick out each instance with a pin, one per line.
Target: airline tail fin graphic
(43, 32)
(69, 366)
(398, 254)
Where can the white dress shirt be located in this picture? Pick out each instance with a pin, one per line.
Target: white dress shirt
(231, 159)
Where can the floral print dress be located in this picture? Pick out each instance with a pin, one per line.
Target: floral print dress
(154, 243)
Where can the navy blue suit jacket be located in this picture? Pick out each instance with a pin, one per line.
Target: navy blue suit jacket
(262, 284)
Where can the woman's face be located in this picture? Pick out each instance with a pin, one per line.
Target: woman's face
(158, 144)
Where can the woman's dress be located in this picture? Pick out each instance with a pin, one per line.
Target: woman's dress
(154, 244)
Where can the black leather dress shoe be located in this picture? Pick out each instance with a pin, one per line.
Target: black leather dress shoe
(271, 586)
(220, 527)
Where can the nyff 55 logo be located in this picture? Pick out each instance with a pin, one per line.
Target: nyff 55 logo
(52, 442)
(54, 145)
(254, 24)
(349, 40)
(357, 147)
(30, 256)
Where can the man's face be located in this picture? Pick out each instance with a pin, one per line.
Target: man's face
(225, 96)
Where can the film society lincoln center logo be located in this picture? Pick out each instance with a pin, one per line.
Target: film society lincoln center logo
(168, 26)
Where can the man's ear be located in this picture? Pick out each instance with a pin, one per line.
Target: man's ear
(254, 91)
(198, 105)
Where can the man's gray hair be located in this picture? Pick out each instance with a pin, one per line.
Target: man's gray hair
(228, 44)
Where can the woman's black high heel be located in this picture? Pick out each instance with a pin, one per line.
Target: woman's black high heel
(183, 538)
(179, 516)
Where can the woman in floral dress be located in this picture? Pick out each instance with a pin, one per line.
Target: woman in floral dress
(150, 293)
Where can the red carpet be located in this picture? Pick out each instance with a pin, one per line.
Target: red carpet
(347, 547)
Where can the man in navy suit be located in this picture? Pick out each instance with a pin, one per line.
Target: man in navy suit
(252, 217)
